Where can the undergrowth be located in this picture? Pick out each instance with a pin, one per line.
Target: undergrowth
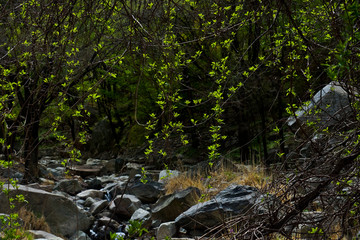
(25, 220)
(32, 222)
(219, 180)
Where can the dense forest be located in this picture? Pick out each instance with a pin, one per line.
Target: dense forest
(206, 79)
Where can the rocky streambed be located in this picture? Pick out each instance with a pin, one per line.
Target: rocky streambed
(96, 203)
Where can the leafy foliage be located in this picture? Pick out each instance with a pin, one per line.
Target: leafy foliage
(215, 75)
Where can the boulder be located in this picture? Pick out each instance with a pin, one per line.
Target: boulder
(93, 162)
(232, 201)
(47, 182)
(85, 171)
(97, 207)
(117, 189)
(142, 215)
(328, 107)
(166, 231)
(168, 207)
(58, 210)
(165, 175)
(56, 171)
(106, 221)
(91, 193)
(89, 202)
(93, 183)
(135, 167)
(112, 166)
(105, 213)
(70, 186)
(80, 235)
(11, 173)
(80, 202)
(125, 205)
(147, 193)
(113, 179)
(38, 234)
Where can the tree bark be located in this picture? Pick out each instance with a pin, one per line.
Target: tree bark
(31, 145)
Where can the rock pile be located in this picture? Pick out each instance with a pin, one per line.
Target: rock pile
(76, 209)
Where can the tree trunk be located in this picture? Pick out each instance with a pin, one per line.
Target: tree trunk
(31, 146)
(263, 132)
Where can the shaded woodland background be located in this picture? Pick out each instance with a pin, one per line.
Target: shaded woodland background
(185, 73)
(197, 78)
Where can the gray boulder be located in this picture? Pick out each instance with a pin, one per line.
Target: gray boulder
(93, 162)
(56, 171)
(140, 215)
(91, 193)
(80, 235)
(11, 173)
(165, 175)
(38, 234)
(134, 167)
(70, 186)
(232, 201)
(58, 210)
(328, 107)
(143, 216)
(166, 230)
(117, 189)
(168, 207)
(112, 166)
(97, 207)
(147, 193)
(93, 183)
(89, 202)
(85, 171)
(125, 205)
(106, 221)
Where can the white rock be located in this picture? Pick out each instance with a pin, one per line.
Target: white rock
(140, 214)
(165, 175)
(90, 193)
(332, 100)
(167, 229)
(80, 235)
(38, 234)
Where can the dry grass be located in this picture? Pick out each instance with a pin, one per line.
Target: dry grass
(218, 180)
(245, 175)
(32, 222)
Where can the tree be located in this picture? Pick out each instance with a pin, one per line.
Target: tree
(190, 65)
(49, 52)
(313, 44)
